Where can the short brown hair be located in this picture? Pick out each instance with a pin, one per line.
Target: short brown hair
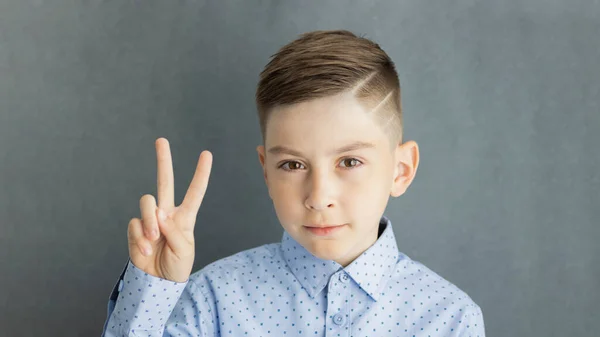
(329, 62)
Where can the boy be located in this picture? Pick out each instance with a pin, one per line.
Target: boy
(332, 155)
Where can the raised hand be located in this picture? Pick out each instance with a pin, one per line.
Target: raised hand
(165, 248)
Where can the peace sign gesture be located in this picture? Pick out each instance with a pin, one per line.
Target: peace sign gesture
(165, 247)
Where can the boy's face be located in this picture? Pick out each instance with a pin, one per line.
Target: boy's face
(312, 185)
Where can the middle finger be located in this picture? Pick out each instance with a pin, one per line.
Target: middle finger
(165, 179)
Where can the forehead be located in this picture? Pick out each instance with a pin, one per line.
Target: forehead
(322, 123)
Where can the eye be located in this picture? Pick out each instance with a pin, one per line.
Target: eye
(292, 166)
(351, 161)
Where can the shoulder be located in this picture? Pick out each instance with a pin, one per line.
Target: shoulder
(240, 263)
(415, 278)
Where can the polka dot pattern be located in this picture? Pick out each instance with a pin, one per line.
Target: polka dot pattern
(280, 289)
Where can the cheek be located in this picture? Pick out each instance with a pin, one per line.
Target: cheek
(366, 181)
(368, 189)
(285, 193)
(283, 186)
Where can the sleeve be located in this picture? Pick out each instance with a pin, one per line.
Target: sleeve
(472, 324)
(145, 305)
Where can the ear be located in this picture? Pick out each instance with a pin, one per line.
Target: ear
(406, 162)
(261, 158)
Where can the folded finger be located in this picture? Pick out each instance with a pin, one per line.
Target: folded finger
(149, 221)
(136, 238)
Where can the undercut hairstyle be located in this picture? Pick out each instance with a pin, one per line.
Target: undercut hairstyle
(330, 62)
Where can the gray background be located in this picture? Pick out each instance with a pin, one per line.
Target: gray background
(501, 96)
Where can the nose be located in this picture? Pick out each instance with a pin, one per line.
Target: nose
(320, 193)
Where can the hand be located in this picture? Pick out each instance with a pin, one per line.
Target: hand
(165, 248)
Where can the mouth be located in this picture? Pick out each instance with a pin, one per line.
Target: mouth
(324, 230)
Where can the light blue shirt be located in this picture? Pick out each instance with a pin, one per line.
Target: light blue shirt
(280, 289)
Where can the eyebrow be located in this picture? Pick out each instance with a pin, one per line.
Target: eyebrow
(347, 148)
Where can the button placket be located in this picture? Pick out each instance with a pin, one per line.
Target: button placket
(337, 304)
(339, 319)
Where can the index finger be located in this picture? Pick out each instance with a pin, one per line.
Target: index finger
(195, 193)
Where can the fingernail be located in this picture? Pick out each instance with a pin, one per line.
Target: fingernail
(154, 234)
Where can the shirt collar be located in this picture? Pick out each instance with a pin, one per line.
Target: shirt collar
(371, 270)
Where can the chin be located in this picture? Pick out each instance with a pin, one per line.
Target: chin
(326, 250)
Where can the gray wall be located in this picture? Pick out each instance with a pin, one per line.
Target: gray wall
(502, 97)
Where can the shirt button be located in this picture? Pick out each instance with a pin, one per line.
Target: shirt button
(344, 278)
(120, 285)
(338, 319)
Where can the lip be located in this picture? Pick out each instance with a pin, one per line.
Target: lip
(324, 230)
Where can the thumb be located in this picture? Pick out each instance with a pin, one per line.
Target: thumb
(174, 235)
